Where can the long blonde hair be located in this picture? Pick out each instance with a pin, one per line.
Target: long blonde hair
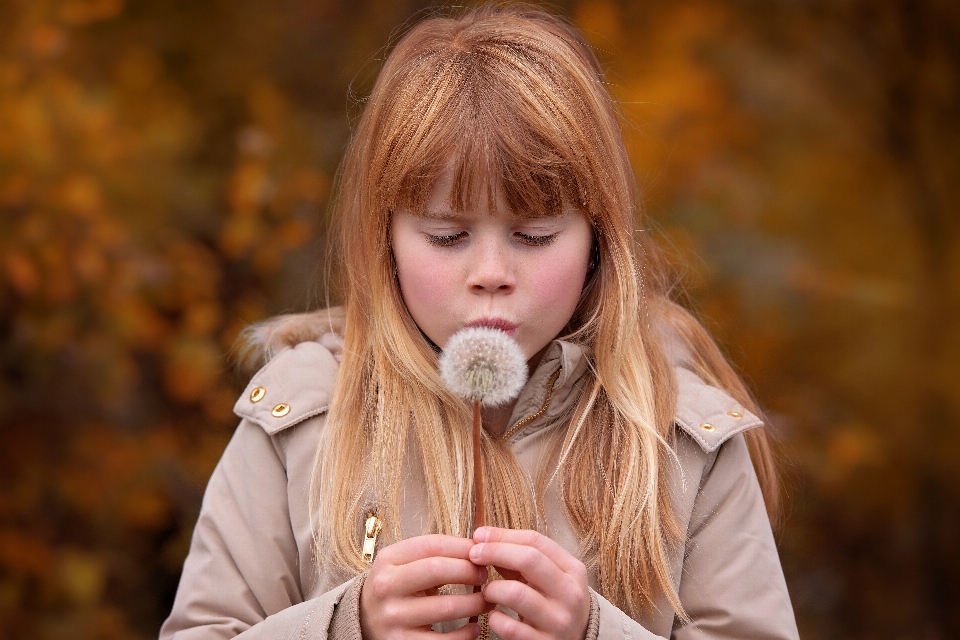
(517, 99)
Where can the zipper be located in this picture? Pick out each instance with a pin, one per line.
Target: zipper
(370, 533)
(533, 416)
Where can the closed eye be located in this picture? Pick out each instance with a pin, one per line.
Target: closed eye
(445, 241)
(535, 241)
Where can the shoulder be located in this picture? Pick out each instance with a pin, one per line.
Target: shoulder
(713, 461)
(708, 415)
(302, 354)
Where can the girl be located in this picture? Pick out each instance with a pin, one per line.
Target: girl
(487, 184)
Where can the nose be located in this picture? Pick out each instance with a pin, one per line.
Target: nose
(492, 269)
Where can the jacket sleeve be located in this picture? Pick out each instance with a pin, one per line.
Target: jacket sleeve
(732, 585)
(241, 577)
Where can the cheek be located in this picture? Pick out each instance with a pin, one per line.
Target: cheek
(559, 283)
(426, 289)
(419, 277)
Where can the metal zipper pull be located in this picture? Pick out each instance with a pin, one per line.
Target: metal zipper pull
(371, 531)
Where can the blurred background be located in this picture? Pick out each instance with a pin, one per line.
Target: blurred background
(165, 168)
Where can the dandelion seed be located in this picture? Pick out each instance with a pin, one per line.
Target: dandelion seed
(483, 364)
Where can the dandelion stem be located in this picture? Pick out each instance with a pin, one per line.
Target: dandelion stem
(478, 515)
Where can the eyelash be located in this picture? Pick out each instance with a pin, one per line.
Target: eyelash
(537, 241)
(446, 241)
(449, 241)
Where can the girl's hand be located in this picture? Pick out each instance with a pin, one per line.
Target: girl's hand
(399, 597)
(543, 583)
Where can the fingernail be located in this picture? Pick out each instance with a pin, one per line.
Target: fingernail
(475, 551)
(480, 535)
(483, 575)
(476, 630)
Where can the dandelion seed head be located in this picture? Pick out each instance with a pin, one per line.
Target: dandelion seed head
(485, 364)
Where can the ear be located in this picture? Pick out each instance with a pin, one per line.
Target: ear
(593, 268)
(594, 256)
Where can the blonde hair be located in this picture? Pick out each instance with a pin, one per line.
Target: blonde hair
(517, 100)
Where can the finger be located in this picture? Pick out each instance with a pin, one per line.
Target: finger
(533, 565)
(420, 577)
(550, 548)
(468, 631)
(531, 605)
(419, 547)
(509, 629)
(427, 610)
(424, 574)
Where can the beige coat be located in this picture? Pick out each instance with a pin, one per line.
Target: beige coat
(251, 570)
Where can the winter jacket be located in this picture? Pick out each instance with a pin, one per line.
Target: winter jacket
(251, 572)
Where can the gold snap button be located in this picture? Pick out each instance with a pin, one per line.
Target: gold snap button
(735, 414)
(281, 410)
(706, 426)
(257, 394)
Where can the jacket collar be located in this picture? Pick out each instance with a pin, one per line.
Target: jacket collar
(706, 413)
(552, 390)
(298, 382)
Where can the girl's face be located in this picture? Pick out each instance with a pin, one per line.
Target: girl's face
(490, 267)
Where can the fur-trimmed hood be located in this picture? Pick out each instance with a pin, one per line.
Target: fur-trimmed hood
(259, 343)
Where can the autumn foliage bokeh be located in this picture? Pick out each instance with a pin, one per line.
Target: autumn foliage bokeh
(164, 173)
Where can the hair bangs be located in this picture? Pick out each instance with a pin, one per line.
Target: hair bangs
(485, 167)
(501, 132)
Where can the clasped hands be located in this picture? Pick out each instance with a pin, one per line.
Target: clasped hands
(542, 582)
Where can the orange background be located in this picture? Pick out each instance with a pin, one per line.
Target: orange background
(165, 166)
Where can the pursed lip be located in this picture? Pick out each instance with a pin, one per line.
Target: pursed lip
(495, 323)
